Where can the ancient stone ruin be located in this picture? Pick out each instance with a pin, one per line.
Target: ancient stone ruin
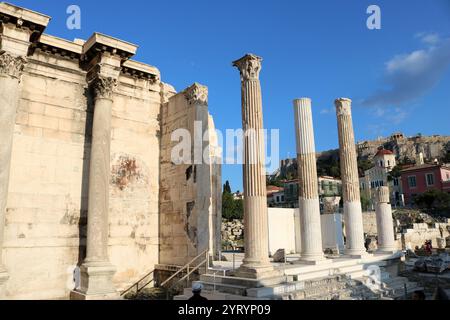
(89, 198)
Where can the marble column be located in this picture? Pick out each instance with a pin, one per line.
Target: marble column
(350, 180)
(385, 225)
(96, 271)
(256, 262)
(310, 226)
(11, 67)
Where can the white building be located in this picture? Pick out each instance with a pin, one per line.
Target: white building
(378, 176)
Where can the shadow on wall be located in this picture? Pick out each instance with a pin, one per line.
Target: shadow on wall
(82, 224)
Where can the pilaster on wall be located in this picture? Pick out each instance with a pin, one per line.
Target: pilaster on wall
(18, 30)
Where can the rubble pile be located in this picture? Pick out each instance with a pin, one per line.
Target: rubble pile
(433, 264)
(232, 232)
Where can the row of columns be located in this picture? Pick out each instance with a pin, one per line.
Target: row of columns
(255, 208)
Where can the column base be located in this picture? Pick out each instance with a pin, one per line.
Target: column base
(387, 250)
(356, 254)
(256, 272)
(314, 260)
(4, 276)
(96, 282)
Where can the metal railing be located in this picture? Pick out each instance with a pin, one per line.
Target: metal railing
(189, 269)
(136, 284)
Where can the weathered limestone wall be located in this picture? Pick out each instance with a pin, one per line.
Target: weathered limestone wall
(82, 124)
(134, 185)
(184, 202)
(47, 201)
(422, 232)
(370, 223)
(46, 205)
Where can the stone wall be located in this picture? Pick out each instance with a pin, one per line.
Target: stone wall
(156, 212)
(134, 185)
(186, 210)
(370, 223)
(420, 232)
(47, 200)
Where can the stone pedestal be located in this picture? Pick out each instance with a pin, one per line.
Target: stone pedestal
(332, 237)
(256, 263)
(311, 232)
(96, 282)
(350, 181)
(385, 225)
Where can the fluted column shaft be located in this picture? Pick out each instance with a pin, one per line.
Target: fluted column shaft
(254, 178)
(385, 225)
(311, 233)
(350, 180)
(11, 67)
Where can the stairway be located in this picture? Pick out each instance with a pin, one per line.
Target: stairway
(344, 280)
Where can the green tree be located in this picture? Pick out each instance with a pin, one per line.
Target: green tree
(434, 200)
(364, 165)
(447, 157)
(226, 187)
(227, 205)
(335, 172)
(238, 209)
(231, 208)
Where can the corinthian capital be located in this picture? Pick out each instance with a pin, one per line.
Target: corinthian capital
(11, 65)
(104, 87)
(197, 94)
(249, 67)
(343, 106)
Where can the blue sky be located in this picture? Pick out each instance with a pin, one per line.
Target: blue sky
(398, 77)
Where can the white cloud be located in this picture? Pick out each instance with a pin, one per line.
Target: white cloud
(410, 76)
(429, 38)
(327, 111)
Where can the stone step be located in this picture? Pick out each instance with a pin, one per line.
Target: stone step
(210, 295)
(245, 282)
(225, 288)
(275, 289)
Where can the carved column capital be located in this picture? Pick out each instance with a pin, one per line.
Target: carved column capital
(382, 195)
(197, 94)
(104, 87)
(249, 67)
(11, 65)
(343, 106)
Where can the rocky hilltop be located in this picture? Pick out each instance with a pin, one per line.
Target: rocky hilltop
(405, 149)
